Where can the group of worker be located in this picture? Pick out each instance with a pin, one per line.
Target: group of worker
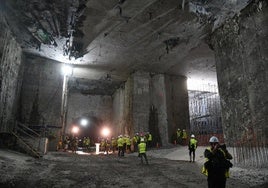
(70, 142)
(216, 166)
(181, 137)
(125, 144)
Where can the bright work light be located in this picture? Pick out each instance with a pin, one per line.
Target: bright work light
(75, 130)
(67, 70)
(84, 122)
(105, 132)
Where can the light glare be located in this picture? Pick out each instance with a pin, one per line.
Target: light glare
(84, 122)
(200, 85)
(67, 70)
(105, 132)
(75, 130)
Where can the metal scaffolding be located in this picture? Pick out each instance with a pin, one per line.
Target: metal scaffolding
(205, 111)
(249, 148)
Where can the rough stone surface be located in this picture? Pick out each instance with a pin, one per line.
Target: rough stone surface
(158, 110)
(11, 69)
(242, 69)
(90, 107)
(141, 101)
(40, 102)
(177, 102)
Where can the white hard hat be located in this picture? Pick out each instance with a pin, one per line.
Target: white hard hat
(213, 139)
(192, 136)
(142, 139)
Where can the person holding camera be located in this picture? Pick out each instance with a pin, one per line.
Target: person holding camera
(217, 164)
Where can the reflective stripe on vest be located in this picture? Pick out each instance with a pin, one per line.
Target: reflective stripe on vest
(142, 147)
(205, 170)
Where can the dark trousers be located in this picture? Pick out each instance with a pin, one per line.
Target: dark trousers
(218, 182)
(143, 155)
(190, 153)
(120, 151)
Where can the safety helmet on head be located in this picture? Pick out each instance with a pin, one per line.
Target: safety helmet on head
(192, 136)
(142, 139)
(213, 139)
(179, 129)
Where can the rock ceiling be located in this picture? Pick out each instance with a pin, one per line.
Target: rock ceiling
(106, 40)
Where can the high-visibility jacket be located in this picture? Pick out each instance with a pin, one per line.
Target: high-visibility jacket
(114, 142)
(102, 144)
(124, 139)
(179, 133)
(205, 170)
(150, 137)
(193, 143)
(86, 141)
(184, 135)
(120, 142)
(128, 141)
(142, 147)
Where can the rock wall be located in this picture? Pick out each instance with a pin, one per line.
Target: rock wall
(151, 102)
(241, 49)
(40, 102)
(123, 109)
(158, 123)
(11, 69)
(141, 101)
(177, 104)
(91, 106)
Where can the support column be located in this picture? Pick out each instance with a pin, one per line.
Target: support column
(141, 101)
(242, 68)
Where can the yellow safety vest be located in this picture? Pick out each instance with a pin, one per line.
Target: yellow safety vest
(193, 142)
(142, 147)
(205, 170)
(120, 142)
(150, 138)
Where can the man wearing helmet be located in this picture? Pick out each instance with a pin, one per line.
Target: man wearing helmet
(216, 166)
(192, 147)
(142, 150)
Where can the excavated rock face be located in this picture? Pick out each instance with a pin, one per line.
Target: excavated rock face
(241, 50)
(118, 37)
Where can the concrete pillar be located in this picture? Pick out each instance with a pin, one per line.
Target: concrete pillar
(242, 68)
(177, 104)
(43, 145)
(152, 102)
(159, 121)
(141, 101)
(11, 70)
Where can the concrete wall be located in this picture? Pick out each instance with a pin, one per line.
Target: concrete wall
(241, 48)
(118, 111)
(40, 102)
(141, 101)
(97, 106)
(158, 117)
(177, 104)
(151, 102)
(123, 109)
(11, 69)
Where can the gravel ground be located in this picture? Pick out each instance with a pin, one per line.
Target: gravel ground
(167, 168)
